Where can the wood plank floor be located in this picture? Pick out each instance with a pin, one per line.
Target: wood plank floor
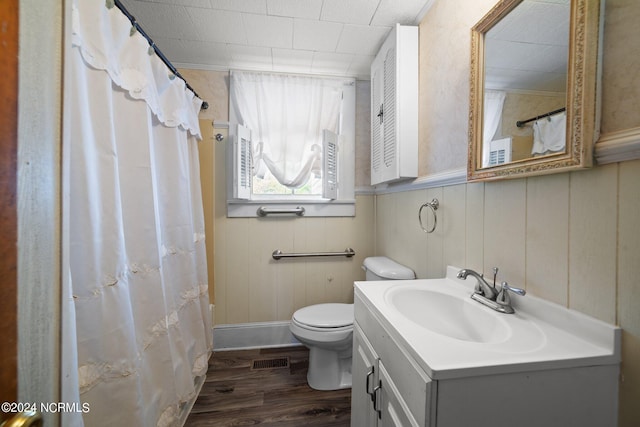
(234, 394)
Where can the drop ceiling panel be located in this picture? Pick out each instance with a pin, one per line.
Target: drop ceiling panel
(316, 35)
(293, 61)
(268, 31)
(331, 63)
(249, 6)
(323, 36)
(191, 3)
(203, 51)
(528, 50)
(308, 9)
(535, 22)
(164, 20)
(526, 56)
(388, 13)
(349, 12)
(220, 26)
(361, 65)
(362, 39)
(250, 57)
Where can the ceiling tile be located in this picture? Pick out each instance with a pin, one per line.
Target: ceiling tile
(207, 53)
(249, 6)
(304, 36)
(391, 12)
(163, 20)
(292, 61)
(349, 12)
(361, 39)
(268, 31)
(361, 66)
(308, 9)
(331, 63)
(316, 35)
(173, 49)
(192, 3)
(250, 57)
(219, 26)
(534, 22)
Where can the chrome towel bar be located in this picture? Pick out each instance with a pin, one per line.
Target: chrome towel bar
(277, 254)
(262, 211)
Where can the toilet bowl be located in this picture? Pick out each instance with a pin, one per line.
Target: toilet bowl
(327, 330)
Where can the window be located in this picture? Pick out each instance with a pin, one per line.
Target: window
(293, 143)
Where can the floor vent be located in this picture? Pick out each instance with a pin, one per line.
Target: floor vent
(280, 362)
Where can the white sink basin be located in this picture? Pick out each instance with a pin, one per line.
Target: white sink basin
(451, 335)
(451, 316)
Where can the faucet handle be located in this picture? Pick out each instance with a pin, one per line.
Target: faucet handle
(503, 297)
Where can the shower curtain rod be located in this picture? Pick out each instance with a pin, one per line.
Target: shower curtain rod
(164, 59)
(521, 123)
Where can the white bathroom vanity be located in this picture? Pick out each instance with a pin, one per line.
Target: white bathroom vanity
(425, 354)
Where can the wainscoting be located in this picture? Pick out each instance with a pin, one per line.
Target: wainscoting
(266, 387)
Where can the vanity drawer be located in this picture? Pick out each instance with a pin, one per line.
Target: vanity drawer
(414, 386)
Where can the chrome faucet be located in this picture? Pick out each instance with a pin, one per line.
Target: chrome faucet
(487, 294)
(482, 287)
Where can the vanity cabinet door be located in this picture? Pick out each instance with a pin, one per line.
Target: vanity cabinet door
(393, 409)
(364, 380)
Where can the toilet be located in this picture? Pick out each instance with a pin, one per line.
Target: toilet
(327, 330)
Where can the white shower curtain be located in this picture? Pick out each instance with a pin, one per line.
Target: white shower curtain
(493, 103)
(137, 253)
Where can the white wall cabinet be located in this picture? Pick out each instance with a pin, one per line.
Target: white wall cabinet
(394, 107)
(391, 389)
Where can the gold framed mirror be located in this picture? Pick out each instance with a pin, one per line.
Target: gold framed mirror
(534, 83)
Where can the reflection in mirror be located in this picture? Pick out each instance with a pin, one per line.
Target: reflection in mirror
(534, 78)
(526, 58)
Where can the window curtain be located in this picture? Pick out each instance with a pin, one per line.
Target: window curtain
(136, 229)
(493, 103)
(286, 114)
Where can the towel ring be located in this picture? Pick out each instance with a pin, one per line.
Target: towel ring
(433, 205)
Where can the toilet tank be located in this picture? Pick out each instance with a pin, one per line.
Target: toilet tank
(383, 268)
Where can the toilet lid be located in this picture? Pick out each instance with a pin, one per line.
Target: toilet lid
(325, 315)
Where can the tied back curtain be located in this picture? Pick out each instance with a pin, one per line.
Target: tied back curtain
(136, 228)
(286, 114)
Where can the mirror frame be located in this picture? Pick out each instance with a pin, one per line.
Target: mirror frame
(583, 100)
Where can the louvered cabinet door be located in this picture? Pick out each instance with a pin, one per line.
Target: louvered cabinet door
(377, 120)
(394, 107)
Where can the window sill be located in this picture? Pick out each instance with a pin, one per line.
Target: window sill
(313, 208)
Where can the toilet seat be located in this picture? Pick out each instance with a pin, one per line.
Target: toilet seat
(325, 317)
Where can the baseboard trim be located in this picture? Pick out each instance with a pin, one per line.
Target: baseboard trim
(244, 336)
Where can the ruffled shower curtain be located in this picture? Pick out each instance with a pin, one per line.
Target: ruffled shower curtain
(136, 229)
